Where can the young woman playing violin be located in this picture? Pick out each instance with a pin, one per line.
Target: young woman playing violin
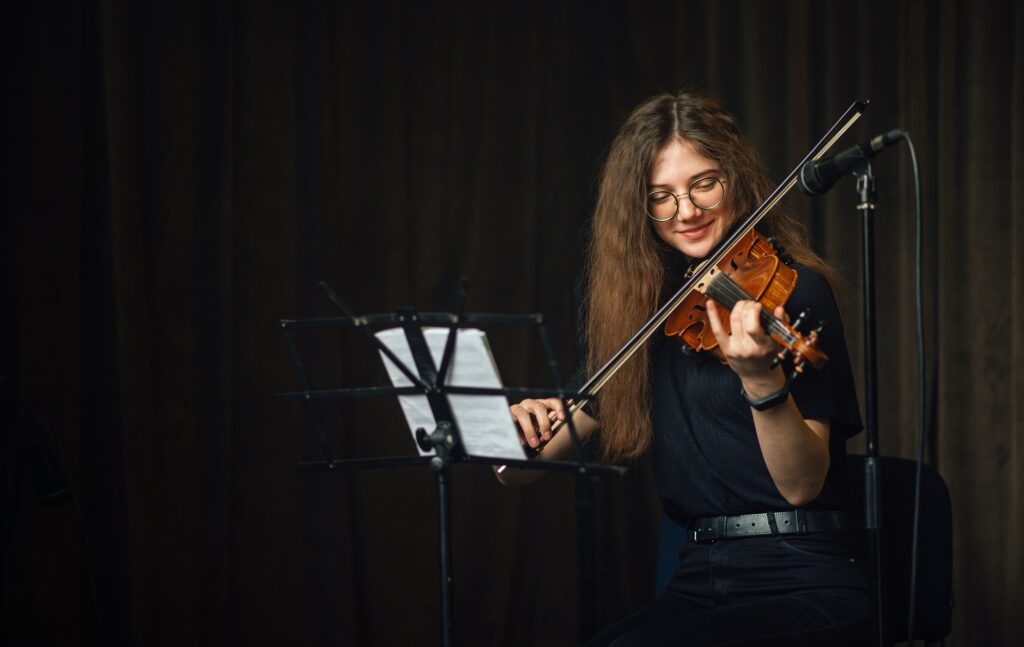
(749, 461)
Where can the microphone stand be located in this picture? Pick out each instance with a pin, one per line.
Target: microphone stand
(866, 206)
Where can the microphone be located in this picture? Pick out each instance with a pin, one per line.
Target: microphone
(817, 177)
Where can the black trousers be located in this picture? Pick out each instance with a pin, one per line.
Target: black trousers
(784, 590)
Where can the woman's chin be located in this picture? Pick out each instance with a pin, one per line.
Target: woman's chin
(695, 250)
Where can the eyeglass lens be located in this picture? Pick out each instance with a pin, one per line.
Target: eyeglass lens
(704, 193)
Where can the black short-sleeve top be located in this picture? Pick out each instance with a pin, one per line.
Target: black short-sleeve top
(705, 455)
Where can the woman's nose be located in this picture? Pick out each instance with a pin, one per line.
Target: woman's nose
(686, 209)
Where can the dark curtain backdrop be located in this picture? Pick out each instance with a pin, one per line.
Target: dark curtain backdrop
(178, 176)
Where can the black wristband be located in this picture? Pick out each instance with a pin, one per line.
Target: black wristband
(768, 401)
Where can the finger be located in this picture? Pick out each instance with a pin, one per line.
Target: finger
(524, 423)
(542, 415)
(714, 318)
(780, 313)
(524, 420)
(752, 323)
(736, 317)
(758, 333)
(555, 405)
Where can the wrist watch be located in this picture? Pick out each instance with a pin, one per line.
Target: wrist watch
(768, 401)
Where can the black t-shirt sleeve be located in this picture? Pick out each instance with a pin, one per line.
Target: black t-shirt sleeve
(827, 393)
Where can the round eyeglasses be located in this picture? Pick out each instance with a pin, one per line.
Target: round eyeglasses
(705, 193)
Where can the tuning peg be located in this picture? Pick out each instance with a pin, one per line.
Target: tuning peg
(812, 337)
(780, 357)
(798, 369)
(800, 318)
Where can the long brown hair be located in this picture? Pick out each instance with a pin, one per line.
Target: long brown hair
(628, 265)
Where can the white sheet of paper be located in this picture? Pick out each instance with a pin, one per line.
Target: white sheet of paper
(483, 420)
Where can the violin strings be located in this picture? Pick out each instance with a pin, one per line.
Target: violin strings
(730, 293)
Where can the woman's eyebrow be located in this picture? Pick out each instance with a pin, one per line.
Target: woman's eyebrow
(695, 176)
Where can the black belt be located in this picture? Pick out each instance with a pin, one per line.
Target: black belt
(790, 522)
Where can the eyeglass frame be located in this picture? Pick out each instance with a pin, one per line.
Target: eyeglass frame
(676, 197)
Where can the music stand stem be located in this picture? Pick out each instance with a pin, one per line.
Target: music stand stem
(443, 441)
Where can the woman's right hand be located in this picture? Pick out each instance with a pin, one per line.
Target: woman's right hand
(535, 419)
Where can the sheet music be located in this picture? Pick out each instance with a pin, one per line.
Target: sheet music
(483, 420)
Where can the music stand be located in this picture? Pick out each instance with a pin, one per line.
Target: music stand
(445, 439)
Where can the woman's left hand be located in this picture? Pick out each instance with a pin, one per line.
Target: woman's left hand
(746, 346)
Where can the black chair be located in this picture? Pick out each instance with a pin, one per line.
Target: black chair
(933, 610)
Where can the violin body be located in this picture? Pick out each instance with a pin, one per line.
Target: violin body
(753, 270)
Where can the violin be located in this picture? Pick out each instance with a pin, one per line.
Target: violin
(755, 268)
(742, 266)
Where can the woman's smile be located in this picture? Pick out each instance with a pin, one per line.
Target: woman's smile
(695, 233)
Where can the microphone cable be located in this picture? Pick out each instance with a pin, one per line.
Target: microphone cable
(919, 301)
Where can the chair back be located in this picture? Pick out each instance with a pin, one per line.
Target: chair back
(934, 609)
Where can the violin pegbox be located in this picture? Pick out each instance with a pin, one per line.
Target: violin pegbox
(810, 343)
(799, 351)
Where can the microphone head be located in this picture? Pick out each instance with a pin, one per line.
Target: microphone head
(810, 181)
(817, 177)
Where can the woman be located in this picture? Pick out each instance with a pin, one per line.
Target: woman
(752, 463)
